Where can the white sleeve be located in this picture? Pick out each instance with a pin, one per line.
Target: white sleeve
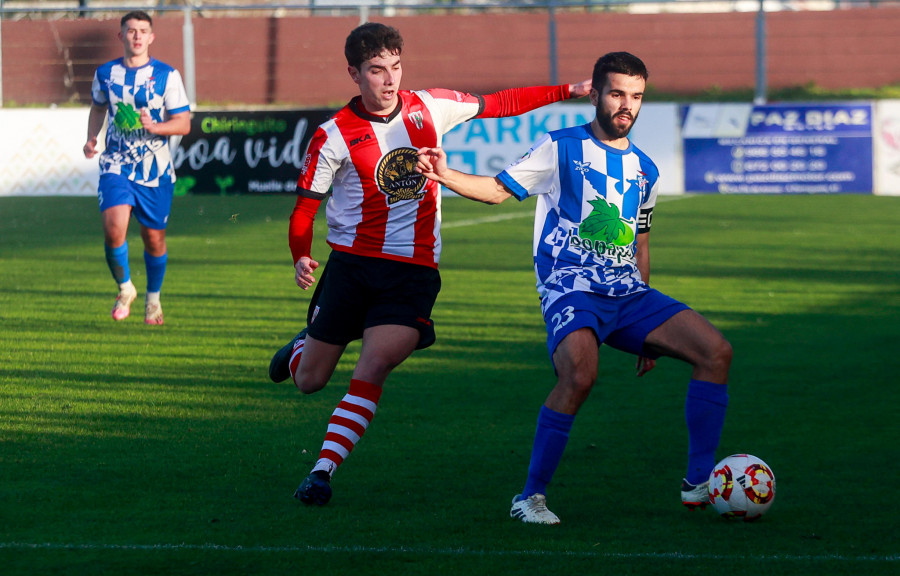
(535, 172)
(98, 95)
(450, 108)
(175, 97)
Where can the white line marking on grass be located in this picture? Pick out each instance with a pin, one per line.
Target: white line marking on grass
(486, 220)
(444, 552)
(529, 214)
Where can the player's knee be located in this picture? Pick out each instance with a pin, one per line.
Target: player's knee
(720, 355)
(578, 384)
(308, 384)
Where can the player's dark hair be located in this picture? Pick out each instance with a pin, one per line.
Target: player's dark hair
(139, 15)
(617, 63)
(369, 40)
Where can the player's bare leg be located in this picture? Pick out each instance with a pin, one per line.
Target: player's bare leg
(316, 364)
(690, 337)
(155, 257)
(115, 231)
(575, 360)
(383, 348)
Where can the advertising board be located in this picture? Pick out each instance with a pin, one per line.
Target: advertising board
(778, 148)
(245, 152)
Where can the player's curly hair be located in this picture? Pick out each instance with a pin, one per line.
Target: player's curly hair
(369, 40)
(617, 63)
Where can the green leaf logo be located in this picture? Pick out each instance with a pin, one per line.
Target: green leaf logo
(605, 224)
(127, 119)
(224, 183)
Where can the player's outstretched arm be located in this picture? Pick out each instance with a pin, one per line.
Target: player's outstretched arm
(433, 165)
(515, 101)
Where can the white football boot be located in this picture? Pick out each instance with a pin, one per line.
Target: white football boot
(694, 497)
(533, 510)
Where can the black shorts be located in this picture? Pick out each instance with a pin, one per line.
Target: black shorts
(358, 292)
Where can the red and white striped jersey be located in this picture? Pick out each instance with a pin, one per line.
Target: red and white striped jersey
(380, 206)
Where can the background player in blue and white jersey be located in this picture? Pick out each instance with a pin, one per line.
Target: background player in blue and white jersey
(143, 102)
(595, 196)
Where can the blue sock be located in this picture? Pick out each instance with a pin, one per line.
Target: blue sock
(550, 441)
(156, 271)
(117, 260)
(704, 411)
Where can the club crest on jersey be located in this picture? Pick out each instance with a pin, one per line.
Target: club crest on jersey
(418, 119)
(397, 178)
(642, 183)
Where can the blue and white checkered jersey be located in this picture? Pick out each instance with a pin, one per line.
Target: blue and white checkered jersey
(592, 202)
(130, 151)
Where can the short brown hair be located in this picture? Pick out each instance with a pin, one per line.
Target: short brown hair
(136, 15)
(617, 63)
(369, 40)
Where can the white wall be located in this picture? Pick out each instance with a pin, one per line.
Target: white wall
(886, 138)
(487, 146)
(41, 153)
(41, 149)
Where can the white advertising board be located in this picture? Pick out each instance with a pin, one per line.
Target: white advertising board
(41, 153)
(886, 136)
(486, 146)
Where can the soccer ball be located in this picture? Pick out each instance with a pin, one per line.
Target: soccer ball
(742, 486)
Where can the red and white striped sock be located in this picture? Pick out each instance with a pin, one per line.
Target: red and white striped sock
(295, 356)
(347, 424)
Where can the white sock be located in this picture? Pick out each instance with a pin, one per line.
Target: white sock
(152, 297)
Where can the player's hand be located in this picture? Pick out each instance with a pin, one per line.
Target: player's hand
(644, 365)
(147, 120)
(580, 90)
(432, 163)
(90, 149)
(304, 269)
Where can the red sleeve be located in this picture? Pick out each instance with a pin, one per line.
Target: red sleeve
(515, 101)
(300, 232)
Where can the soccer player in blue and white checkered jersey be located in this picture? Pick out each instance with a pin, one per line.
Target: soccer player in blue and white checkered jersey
(595, 196)
(143, 102)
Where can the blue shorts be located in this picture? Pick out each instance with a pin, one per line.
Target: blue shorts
(622, 322)
(151, 206)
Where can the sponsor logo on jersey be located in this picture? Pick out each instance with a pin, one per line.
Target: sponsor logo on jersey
(397, 178)
(600, 247)
(359, 140)
(604, 232)
(132, 152)
(127, 119)
(606, 225)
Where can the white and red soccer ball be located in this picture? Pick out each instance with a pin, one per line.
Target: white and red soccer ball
(742, 486)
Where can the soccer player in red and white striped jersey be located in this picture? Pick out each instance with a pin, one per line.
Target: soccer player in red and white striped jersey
(384, 220)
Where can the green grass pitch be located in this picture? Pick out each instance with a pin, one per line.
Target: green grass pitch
(131, 449)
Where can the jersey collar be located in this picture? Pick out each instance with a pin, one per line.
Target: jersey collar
(357, 108)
